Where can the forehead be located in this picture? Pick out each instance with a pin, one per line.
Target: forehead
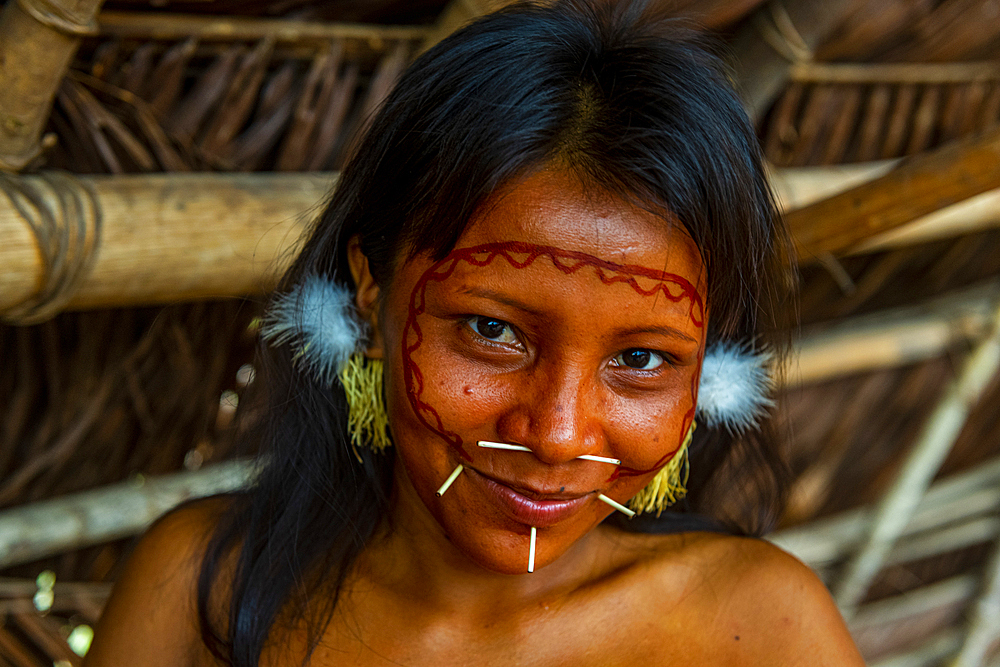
(552, 208)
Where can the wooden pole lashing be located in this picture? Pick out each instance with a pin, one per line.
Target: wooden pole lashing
(38, 38)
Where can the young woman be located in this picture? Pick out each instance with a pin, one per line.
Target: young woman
(552, 256)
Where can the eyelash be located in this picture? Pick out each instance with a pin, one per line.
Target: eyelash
(659, 357)
(475, 321)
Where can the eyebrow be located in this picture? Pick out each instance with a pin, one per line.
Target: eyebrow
(670, 332)
(507, 300)
(499, 297)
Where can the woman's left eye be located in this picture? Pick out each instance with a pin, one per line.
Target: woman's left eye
(639, 359)
(492, 329)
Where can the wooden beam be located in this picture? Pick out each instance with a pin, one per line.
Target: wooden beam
(165, 237)
(179, 27)
(775, 37)
(916, 73)
(920, 185)
(37, 42)
(40, 529)
(893, 338)
(179, 237)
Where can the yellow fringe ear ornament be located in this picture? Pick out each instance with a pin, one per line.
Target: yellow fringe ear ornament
(367, 419)
(670, 483)
(318, 319)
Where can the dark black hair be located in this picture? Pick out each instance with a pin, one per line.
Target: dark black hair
(637, 107)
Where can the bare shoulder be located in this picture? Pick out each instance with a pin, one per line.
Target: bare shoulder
(151, 617)
(748, 603)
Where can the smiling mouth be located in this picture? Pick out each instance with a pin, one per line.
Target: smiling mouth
(527, 506)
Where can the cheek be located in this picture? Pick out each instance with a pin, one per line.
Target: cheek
(646, 432)
(456, 397)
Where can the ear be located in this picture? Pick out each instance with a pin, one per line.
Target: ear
(366, 295)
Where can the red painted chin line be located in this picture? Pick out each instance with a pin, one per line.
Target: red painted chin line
(567, 261)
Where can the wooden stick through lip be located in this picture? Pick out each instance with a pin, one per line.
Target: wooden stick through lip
(617, 505)
(451, 478)
(531, 550)
(600, 459)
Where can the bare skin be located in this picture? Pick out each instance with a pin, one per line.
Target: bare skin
(534, 354)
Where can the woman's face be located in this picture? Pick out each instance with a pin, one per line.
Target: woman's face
(563, 322)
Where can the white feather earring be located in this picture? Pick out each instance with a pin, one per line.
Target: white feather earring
(318, 317)
(734, 387)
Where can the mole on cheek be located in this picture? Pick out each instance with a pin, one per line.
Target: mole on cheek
(467, 390)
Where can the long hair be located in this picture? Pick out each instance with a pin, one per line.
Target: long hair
(634, 104)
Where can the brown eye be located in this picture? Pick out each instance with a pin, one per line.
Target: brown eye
(639, 359)
(492, 329)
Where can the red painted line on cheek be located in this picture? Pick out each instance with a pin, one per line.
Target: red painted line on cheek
(567, 261)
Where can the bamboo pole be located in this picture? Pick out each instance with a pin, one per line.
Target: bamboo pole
(958, 498)
(920, 185)
(38, 38)
(948, 592)
(180, 27)
(34, 531)
(167, 237)
(797, 187)
(179, 237)
(936, 649)
(917, 73)
(973, 214)
(932, 446)
(893, 338)
(984, 625)
(776, 36)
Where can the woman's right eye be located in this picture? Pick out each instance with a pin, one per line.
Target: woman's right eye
(492, 329)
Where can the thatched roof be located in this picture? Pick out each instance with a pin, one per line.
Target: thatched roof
(99, 397)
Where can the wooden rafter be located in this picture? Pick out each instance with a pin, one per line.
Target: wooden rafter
(919, 186)
(37, 42)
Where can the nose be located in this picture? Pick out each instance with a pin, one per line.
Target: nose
(555, 414)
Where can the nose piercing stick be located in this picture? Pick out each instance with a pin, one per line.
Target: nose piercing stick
(451, 478)
(500, 445)
(618, 506)
(531, 550)
(521, 448)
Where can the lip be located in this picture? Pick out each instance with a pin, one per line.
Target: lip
(528, 507)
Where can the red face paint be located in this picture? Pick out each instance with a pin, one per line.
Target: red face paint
(521, 255)
(581, 280)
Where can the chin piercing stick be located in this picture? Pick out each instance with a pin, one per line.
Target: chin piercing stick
(451, 478)
(531, 550)
(617, 505)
